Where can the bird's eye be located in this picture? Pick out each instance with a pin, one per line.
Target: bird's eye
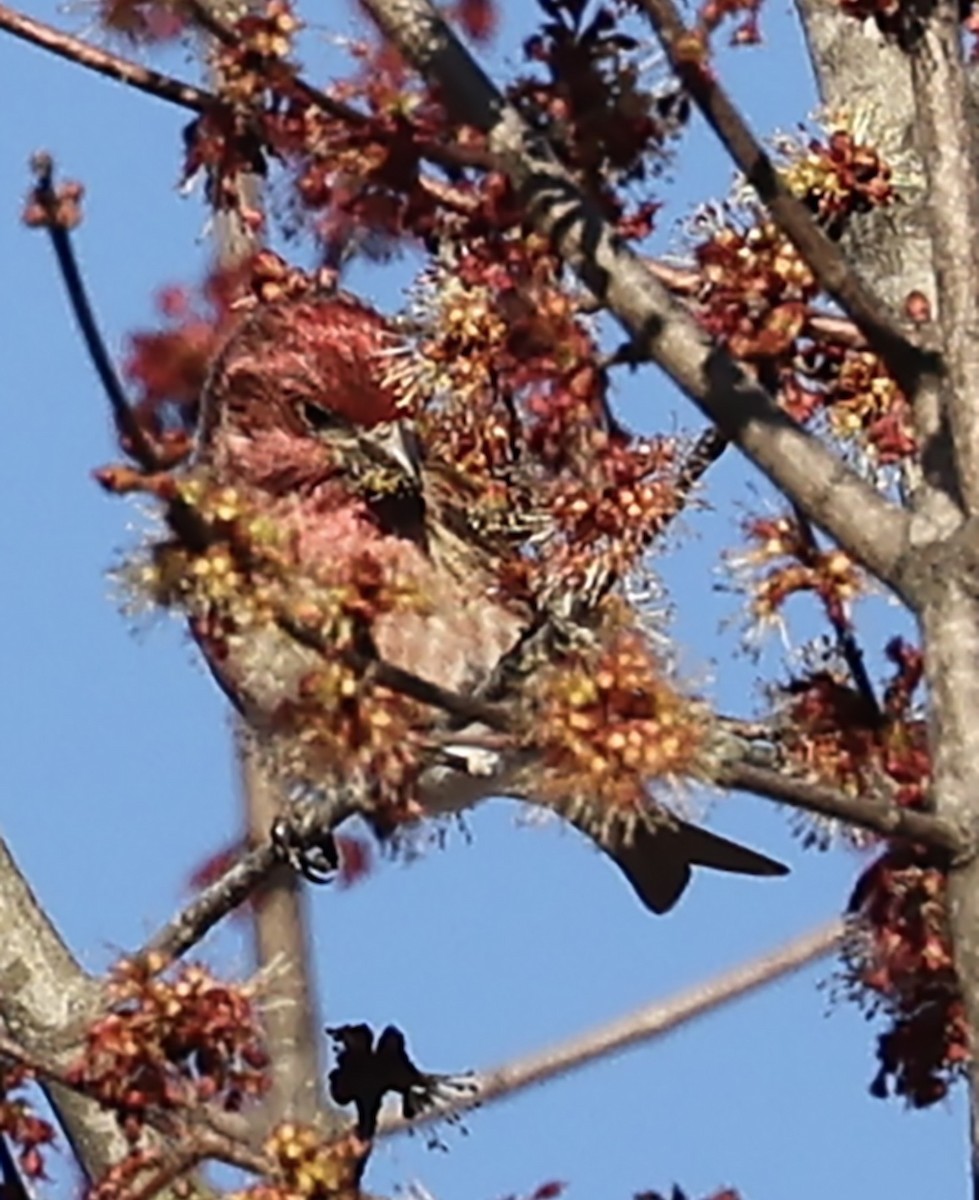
(321, 419)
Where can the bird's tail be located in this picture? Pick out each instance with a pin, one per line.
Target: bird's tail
(706, 849)
(657, 860)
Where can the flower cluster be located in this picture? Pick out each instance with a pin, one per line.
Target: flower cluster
(308, 1167)
(755, 293)
(607, 719)
(898, 959)
(171, 1041)
(603, 519)
(862, 402)
(840, 178)
(231, 568)
(755, 290)
(784, 560)
(839, 736)
(609, 124)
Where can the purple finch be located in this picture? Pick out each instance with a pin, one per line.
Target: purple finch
(389, 555)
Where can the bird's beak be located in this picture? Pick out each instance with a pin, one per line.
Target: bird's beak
(397, 443)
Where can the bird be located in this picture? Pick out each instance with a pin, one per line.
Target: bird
(298, 416)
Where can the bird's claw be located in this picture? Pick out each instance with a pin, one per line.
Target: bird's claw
(301, 841)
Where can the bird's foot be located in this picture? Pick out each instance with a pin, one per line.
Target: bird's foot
(303, 839)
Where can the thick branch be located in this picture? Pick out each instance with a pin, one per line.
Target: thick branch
(652, 1021)
(44, 993)
(829, 492)
(951, 643)
(284, 953)
(944, 129)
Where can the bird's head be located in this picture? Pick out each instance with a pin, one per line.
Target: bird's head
(296, 398)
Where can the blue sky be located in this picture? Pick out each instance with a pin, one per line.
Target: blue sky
(117, 773)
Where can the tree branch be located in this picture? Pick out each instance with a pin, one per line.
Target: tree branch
(944, 133)
(283, 950)
(950, 638)
(831, 494)
(866, 812)
(651, 1021)
(842, 626)
(103, 62)
(212, 904)
(131, 434)
(43, 993)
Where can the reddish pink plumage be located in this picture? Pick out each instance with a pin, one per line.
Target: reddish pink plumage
(344, 515)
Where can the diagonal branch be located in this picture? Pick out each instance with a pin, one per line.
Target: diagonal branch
(652, 1021)
(879, 816)
(136, 75)
(905, 360)
(830, 493)
(48, 202)
(212, 904)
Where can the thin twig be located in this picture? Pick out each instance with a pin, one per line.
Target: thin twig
(123, 70)
(879, 816)
(706, 451)
(466, 708)
(13, 1185)
(278, 69)
(842, 627)
(652, 1021)
(213, 903)
(131, 434)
